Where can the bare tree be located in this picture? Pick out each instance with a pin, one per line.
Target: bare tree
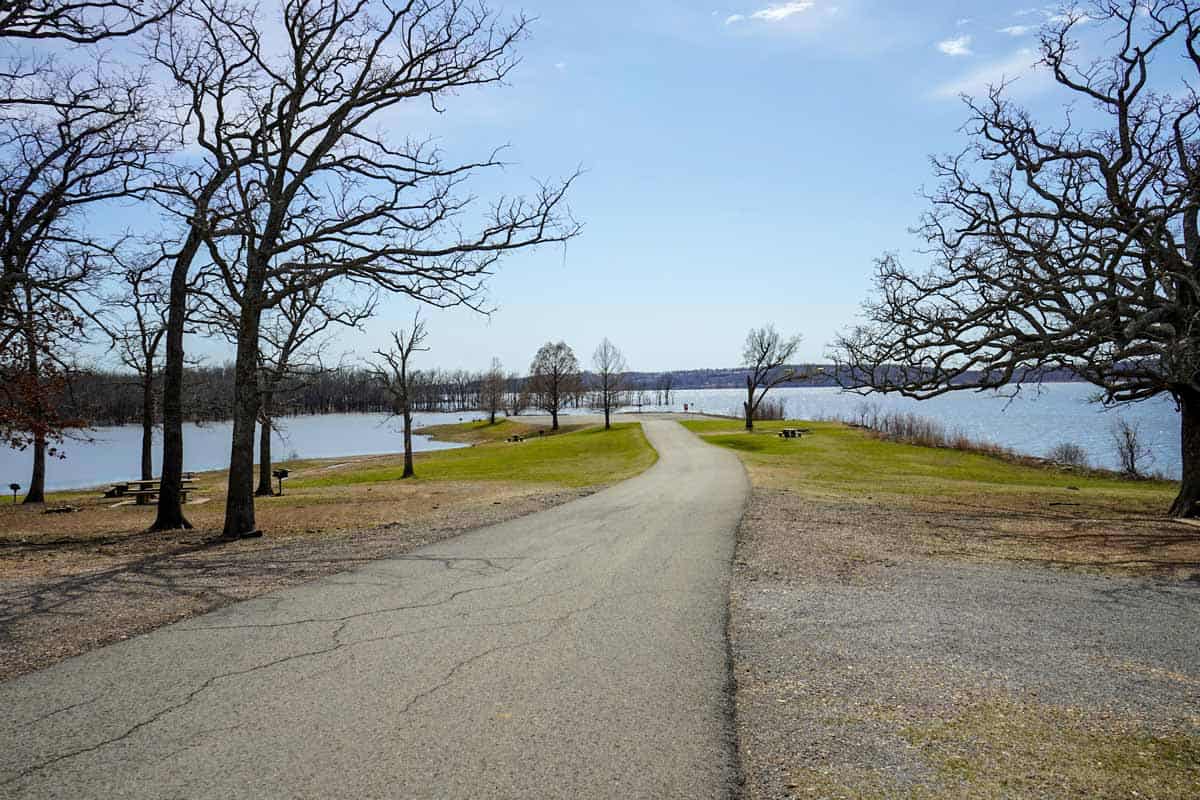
(90, 146)
(208, 52)
(610, 368)
(314, 191)
(766, 354)
(33, 381)
(518, 395)
(553, 376)
(1132, 452)
(393, 374)
(142, 305)
(78, 21)
(71, 138)
(1063, 246)
(491, 390)
(665, 381)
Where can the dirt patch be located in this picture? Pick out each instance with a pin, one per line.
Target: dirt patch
(907, 650)
(72, 582)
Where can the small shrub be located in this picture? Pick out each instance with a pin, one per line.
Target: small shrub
(909, 428)
(1068, 454)
(769, 409)
(866, 415)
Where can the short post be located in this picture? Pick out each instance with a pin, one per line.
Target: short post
(14, 488)
(280, 474)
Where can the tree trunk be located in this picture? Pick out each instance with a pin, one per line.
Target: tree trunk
(408, 443)
(749, 404)
(37, 481)
(264, 451)
(148, 423)
(554, 419)
(1187, 504)
(170, 502)
(239, 498)
(493, 416)
(607, 426)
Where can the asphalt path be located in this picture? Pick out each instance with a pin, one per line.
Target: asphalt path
(579, 652)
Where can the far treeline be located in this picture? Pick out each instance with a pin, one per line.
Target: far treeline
(101, 398)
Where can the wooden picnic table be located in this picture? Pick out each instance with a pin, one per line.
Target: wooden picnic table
(142, 497)
(148, 488)
(793, 433)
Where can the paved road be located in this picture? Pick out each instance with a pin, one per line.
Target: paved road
(579, 653)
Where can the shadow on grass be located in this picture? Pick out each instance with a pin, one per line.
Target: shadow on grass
(67, 615)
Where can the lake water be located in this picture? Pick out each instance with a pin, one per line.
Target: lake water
(1031, 423)
(115, 453)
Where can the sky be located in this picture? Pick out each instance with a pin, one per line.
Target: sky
(744, 163)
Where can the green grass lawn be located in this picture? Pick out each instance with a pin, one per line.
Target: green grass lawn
(587, 457)
(481, 431)
(837, 459)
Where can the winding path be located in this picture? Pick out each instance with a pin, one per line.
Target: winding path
(576, 653)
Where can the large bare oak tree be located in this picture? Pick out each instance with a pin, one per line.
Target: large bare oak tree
(304, 182)
(1072, 245)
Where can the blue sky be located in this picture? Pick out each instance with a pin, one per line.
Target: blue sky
(745, 163)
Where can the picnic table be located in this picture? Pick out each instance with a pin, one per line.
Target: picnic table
(143, 490)
(793, 433)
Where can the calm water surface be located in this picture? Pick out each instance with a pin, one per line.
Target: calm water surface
(115, 453)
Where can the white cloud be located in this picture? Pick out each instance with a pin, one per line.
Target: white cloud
(781, 11)
(561, 66)
(964, 21)
(776, 12)
(1021, 66)
(1054, 15)
(1017, 30)
(958, 46)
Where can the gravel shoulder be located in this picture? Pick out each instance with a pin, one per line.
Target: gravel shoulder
(867, 667)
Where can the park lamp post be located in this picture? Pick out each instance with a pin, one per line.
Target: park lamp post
(280, 474)
(14, 488)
